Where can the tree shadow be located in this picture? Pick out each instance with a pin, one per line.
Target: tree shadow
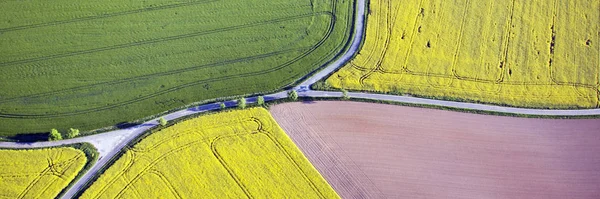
(30, 137)
(206, 107)
(308, 101)
(126, 125)
(269, 98)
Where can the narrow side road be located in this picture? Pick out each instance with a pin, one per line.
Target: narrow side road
(451, 104)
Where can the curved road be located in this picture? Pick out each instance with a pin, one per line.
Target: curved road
(110, 143)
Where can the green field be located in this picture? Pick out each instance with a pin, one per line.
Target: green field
(94, 64)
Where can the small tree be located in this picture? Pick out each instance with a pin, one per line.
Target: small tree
(72, 133)
(222, 105)
(321, 85)
(162, 121)
(241, 103)
(260, 100)
(293, 95)
(54, 135)
(345, 95)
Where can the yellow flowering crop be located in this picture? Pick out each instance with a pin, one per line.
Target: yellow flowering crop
(39, 173)
(234, 154)
(538, 53)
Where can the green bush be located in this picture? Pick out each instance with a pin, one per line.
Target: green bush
(345, 95)
(293, 95)
(54, 135)
(260, 100)
(72, 133)
(162, 121)
(241, 103)
(321, 85)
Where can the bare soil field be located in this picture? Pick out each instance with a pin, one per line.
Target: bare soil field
(384, 151)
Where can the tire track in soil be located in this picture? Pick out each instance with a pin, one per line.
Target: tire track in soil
(326, 161)
(574, 85)
(276, 143)
(381, 57)
(411, 158)
(169, 185)
(154, 162)
(158, 40)
(311, 49)
(499, 80)
(102, 16)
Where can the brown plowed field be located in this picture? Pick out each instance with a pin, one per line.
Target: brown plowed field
(383, 151)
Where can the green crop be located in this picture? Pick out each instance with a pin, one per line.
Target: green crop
(95, 64)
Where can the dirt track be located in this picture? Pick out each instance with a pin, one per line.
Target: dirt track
(383, 151)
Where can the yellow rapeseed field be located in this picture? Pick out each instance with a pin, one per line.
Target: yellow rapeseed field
(541, 53)
(39, 173)
(237, 154)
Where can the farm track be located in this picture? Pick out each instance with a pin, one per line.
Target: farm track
(110, 143)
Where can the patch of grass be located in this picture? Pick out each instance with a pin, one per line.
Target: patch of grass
(230, 154)
(102, 63)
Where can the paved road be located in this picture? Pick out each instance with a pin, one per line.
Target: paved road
(460, 105)
(110, 143)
